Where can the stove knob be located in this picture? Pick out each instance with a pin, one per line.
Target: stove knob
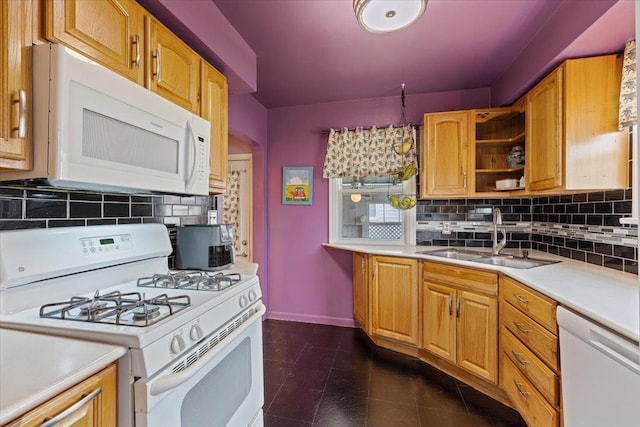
(177, 344)
(252, 295)
(195, 333)
(243, 301)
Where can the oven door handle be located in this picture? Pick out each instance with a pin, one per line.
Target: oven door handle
(170, 381)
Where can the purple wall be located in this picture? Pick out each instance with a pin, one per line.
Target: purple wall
(306, 281)
(248, 125)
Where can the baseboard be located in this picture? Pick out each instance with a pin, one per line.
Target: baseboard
(310, 318)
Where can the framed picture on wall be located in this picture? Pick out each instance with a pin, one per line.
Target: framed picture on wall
(297, 185)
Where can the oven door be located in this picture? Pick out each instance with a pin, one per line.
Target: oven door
(223, 387)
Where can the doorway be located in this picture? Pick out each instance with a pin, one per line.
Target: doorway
(237, 204)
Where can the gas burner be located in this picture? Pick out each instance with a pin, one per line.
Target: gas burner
(145, 313)
(129, 309)
(191, 280)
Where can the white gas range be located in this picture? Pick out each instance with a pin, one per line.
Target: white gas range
(186, 331)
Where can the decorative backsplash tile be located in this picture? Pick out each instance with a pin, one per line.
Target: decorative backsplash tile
(584, 226)
(25, 207)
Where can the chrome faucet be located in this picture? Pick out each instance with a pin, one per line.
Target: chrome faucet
(497, 220)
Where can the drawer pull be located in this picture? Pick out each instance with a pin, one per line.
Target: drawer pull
(521, 327)
(519, 386)
(521, 299)
(519, 358)
(86, 398)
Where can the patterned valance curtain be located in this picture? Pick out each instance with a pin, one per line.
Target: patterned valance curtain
(369, 152)
(628, 113)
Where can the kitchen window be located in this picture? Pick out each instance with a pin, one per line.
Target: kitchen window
(360, 211)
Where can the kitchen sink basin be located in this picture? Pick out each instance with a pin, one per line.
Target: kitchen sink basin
(487, 258)
(514, 262)
(462, 254)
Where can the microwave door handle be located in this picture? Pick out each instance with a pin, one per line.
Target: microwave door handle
(194, 148)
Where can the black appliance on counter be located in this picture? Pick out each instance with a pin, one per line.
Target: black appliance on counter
(206, 247)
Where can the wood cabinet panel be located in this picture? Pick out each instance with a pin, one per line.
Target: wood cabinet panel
(543, 378)
(173, 68)
(16, 32)
(439, 332)
(544, 151)
(477, 344)
(101, 411)
(532, 406)
(394, 299)
(360, 289)
(110, 32)
(539, 307)
(445, 154)
(482, 281)
(214, 106)
(542, 342)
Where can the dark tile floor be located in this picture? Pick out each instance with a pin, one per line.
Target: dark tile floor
(317, 375)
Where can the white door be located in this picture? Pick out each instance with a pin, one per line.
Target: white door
(237, 205)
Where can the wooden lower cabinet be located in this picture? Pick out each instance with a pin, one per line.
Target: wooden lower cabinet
(394, 298)
(461, 324)
(361, 290)
(483, 328)
(529, 362)
(99, 411)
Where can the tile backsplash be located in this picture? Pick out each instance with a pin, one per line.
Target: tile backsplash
(583, 226)
(27, 207)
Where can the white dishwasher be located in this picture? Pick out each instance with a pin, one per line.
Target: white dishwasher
(600, 374)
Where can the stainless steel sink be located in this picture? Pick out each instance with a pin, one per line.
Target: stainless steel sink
(486, 258)
(514, 262)
(454, 253)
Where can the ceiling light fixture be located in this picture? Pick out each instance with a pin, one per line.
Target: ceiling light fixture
(384, 16)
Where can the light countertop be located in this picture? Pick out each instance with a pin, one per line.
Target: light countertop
(607, 296)
(34, 368)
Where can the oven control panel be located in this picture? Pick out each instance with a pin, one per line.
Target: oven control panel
(106, 244)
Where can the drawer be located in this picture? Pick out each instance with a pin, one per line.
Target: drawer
(532, 406)
(481, 281)
(543, 378)
(539, 340)
(536, 306)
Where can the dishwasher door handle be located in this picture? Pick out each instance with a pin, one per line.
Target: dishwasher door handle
(618, 349)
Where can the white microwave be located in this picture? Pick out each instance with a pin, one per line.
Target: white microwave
(94, 129)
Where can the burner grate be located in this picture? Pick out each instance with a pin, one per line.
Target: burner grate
(125, 309)
(191, 280)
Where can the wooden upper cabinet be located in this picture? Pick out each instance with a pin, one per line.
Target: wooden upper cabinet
(110, 32)
(173, 68)
(573, 141)
(394, 299)
(544, 156)
(214, 107)
(445, 154)
(15, 85)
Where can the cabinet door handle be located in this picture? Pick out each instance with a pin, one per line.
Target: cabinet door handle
(458, 308)
(362, 266)
(519, 386)
(519, 358)
(464, 179)
(156, 55)
(136, 41)
(450, 307)
(49, 422)
(521, 299)
(521, 327)
(22, 114)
